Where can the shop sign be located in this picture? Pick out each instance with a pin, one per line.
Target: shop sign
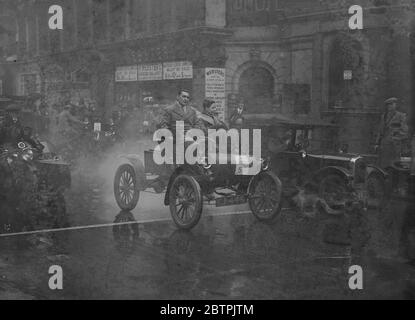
(128, 73)
(150, 72)
(177, 70)
(215, 79)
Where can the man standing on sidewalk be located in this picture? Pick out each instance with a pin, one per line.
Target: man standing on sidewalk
(392, 132)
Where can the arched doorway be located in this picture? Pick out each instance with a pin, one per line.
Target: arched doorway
(256, 87)
(346, 72)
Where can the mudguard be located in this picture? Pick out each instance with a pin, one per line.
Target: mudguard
(140, 173)
(375, 169)
(320, 174)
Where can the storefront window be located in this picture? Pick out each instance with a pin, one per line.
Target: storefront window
(256, 87)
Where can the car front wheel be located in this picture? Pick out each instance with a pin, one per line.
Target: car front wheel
(125, 187)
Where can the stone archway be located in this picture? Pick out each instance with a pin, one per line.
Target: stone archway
(255, 83)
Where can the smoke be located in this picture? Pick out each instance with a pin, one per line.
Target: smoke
(103, 169)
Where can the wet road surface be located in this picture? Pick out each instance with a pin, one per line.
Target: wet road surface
(228, 255)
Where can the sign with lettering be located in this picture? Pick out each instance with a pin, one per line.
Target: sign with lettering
(150, 72)
(348, 75)
(128, 73)
(177, 70)
(215, 79)
(252, 12)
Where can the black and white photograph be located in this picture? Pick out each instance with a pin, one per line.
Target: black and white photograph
(207, 150)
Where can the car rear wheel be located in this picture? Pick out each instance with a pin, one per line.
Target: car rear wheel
(265, 196)
(185, 198)
(333, 190)
(125, 187)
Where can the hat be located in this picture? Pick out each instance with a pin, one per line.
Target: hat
(391, 100)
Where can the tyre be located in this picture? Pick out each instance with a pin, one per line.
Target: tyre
(185, 198)
(125, 187)
(334, 191)
(265, 196)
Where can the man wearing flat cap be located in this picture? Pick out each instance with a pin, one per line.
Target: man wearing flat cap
(393, 130)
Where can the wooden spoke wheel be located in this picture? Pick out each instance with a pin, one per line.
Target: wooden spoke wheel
(265, 196)
(185, 201)
(125, 187)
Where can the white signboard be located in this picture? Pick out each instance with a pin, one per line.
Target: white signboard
(177, 70)
(150, 72)
(126, 73)
(348, 75)
(97, 126)
(215, 88)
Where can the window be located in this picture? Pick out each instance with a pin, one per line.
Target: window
(84, 20)
(43, 18)
(69, 25)
(117, 19)
(99, 16)
(138, 13)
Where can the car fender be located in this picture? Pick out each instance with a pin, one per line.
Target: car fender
(323, 172)
(375, 169)
(193, 170)
(140, 173)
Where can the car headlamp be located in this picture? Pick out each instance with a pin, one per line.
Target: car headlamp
(27, 155)
(264, 164)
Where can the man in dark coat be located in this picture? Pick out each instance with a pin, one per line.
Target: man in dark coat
(180, 111)
(393, 130)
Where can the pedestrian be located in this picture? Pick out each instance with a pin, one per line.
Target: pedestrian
(237, 119)
(393, 130)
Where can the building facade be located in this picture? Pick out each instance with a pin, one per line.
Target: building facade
(298, 58)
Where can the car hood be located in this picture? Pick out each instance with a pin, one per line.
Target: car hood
(335, 156)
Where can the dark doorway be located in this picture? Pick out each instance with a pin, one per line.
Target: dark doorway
(256, 87)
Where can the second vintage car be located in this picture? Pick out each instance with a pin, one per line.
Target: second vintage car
(305, 155)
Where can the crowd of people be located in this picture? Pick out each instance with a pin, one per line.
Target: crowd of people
(63, 122)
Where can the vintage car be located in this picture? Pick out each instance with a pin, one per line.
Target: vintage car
(189, 187)
(308, 156)
(34, 179)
